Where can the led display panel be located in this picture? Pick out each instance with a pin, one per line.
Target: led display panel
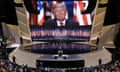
(42, 17)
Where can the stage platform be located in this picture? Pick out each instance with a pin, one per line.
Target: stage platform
(90, 58)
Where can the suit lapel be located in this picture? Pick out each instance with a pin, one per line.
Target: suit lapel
(67, 23)
(55, 23)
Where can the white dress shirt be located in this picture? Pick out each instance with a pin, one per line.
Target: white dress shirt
(58, 23)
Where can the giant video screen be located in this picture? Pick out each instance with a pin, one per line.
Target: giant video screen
(60, 20)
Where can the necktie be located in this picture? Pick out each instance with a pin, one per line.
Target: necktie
(61, 23)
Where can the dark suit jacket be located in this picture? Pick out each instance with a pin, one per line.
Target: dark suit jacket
(52, 24)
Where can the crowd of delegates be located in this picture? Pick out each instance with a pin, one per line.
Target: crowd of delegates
(110, 67)
(8, 66)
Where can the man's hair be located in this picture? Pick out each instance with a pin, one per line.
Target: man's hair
(58, 4)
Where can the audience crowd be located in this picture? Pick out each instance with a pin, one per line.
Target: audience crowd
(8, 66)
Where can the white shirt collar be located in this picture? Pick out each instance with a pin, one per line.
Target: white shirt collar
(58, 23)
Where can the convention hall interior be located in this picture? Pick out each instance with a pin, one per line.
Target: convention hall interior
(33, 39)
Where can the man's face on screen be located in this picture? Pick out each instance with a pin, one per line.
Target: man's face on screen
(60, 12)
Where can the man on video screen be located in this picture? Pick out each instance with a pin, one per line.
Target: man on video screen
(60, 21)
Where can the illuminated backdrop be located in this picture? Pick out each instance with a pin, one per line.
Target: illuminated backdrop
(79, 11)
